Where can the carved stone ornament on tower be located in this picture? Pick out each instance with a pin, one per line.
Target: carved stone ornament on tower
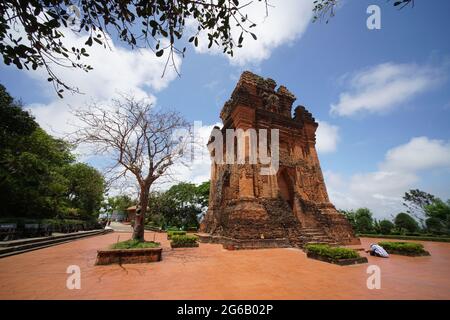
(290, 207)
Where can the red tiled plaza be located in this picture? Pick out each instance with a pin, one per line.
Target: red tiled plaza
(210, 272)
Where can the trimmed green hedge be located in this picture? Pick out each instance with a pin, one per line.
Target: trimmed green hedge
(400, 237)
(135, 244)
(403, 247)
(170, 234)
(182, 240)
(335, 253)
(56, 225)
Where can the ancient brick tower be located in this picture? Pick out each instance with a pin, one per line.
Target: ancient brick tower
(289, 208)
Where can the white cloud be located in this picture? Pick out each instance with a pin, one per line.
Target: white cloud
(337, 187)
(197, 168)
(381, 182)
(327, 137)
(287, 21)
(382, 190)
(420, 153)
(384, 87)
(116, 70)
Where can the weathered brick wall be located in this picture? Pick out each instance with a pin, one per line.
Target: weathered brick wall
(247, 205)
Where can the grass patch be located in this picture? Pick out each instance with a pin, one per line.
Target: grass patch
(334, 253)
(135, 244)
(184, 240)
(407, 248)
(172, 233)
(405, 237)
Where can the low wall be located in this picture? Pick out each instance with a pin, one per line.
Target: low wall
(341, 262)
(123, 256)
(236, 244)
(186, 245)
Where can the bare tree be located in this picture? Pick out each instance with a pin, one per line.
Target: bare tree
(141, 140)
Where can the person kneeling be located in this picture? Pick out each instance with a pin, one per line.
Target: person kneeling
(377, 251)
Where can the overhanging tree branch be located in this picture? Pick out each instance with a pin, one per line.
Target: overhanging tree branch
(32, 32)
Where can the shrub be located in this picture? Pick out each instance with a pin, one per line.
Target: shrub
(134, 244)
(403, 247)
(334, 253)
(184, 240)
(438, 213)
(170, 234)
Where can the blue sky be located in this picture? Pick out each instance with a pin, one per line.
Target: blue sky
(381, 96)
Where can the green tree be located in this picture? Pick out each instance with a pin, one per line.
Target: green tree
(15, 122)
(123, 202)
(350, 215)
(386, 226)
(436, 226)
(415, 201)
(161, 210)
(405, 223)
(189, 201)
(438, 216)
(38, 176)
(85, 189)
(180, 206)
(364, 220)
(361, 220)
(32, 182)
(118, 203)
(203, 193)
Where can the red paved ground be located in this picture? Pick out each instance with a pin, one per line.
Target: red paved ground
(209, 272)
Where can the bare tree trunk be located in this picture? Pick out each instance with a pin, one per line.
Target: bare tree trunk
(138, 232)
